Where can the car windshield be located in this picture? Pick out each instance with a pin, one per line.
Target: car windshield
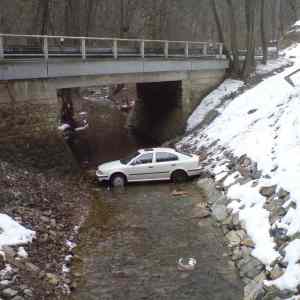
(126, 160)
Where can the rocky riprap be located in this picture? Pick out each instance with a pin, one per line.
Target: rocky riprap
(252, 272)
(51, 204)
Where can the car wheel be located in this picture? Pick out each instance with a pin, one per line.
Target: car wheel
(118, 180)
(179, 176)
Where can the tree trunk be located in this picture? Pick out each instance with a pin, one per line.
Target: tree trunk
(264, 42)
(233, 36)
(220, 32)
(249, 63)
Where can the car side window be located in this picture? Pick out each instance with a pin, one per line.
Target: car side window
(165, 156)
(144, 159)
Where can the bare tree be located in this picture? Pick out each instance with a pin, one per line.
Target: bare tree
(264, 42)
(233, 38)
(250, 11)
(220, 32)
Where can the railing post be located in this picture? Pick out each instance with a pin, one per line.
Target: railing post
(83, 49)
(142, 49)
(115, 49)
(186, 50)
(221, 50)
(205, 49)
(166, 50)
(1, 47)
(45, 48)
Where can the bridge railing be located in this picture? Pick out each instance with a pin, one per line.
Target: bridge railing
(24, 46)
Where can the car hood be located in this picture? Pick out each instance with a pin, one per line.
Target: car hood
(110, 165)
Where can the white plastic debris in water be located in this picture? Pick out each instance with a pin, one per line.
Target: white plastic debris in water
(189, 265)
(63, 127)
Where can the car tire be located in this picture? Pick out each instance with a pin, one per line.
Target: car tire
(179, 176)
(118, 180)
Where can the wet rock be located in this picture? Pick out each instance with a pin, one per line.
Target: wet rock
(219, 211)
(10, 253)
(32, 268)
(236, 254)
(253, 291)
(9, 292)
(250, 267)
(246, 251)
(274, 293)
(52, 278)
(235, 220)
(260, 278)
(234, 238)
(268, 191)
(18, 298)
(276, 272)
(208, 185)
(248, 243)
(200, 213)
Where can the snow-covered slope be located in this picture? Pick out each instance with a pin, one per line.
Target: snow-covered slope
(264, 123)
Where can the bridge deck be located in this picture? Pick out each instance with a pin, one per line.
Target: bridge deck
(74, 67)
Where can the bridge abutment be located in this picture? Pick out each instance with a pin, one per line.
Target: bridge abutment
(27, 109)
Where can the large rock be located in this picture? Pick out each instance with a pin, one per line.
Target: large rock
(234, 238)
(9, 293)
(10, 253)
(276, 272)
(208, 186)
(219, 211)
(250, 267)
(254, 291)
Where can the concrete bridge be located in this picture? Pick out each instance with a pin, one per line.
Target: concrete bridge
(171, 76)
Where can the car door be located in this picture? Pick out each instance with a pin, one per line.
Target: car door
(165, 163)
(141, 168)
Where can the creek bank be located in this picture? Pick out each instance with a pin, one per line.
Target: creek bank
(253, 273)
(40, 191)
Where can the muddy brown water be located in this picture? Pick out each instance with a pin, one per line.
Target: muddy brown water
(132, 240)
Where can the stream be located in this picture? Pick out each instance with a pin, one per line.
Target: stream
(133, 238)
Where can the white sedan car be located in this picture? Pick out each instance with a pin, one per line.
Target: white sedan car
(149, 165)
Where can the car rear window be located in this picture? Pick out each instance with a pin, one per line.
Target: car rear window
(165, 156)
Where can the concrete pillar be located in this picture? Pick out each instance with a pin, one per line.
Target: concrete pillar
(197, 86)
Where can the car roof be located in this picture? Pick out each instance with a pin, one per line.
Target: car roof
(158, 149)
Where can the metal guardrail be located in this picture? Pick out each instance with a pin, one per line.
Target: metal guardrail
(187, 49)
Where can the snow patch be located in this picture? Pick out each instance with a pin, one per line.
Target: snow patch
(210, 102)
(13, 233)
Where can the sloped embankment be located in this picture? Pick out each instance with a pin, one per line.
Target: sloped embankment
(252, 149)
